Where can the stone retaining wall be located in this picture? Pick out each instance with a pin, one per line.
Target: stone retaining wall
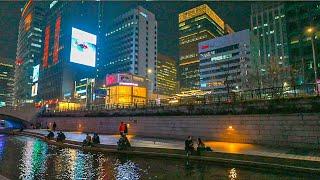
(294, 130)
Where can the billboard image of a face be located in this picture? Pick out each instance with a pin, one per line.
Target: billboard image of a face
(83, 48)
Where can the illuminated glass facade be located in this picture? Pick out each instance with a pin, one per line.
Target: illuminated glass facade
(29, 49)
(126, 90)
(166, 75)
(226, 62)
(301, 16)
(268, 23)
(196, 25)
(130, 46)
(84, 90)
(69, 39)
(6, 81)
(281, 28)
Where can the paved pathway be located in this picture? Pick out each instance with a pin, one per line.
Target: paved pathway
(225, 147)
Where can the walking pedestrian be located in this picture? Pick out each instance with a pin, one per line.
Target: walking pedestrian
(54, 126)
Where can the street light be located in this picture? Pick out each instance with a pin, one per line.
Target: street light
(311, 31)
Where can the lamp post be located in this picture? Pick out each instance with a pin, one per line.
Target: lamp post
(311, 31)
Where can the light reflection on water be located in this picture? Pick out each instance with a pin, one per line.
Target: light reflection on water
(30, 158)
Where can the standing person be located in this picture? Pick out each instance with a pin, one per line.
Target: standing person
(189, 146)
(125, 129)
(122, 128)
(54, 126)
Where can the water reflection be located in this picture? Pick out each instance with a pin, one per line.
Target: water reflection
(233, 174)
(127, 170)
(32, 163)
(30, 158)
(2, 145)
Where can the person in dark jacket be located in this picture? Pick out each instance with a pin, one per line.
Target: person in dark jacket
(54, 126)
(123, 143)
(189, 146)
(61, 136)
(95, 138)
(202, 147)
(126, 129)
(50, 135)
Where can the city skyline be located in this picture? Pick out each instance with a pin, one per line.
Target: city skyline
(168, 29)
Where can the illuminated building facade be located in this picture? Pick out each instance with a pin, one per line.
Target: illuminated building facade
(6, 81)
(268, 23)
(300, 17)
(126, 90)
(130, 46)
(196, 25)
(84, 91)
(29, 48)
(69, 49)
(226, 62)
(166, 75)
(281, 28)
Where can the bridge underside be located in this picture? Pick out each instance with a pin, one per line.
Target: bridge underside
(10, 122)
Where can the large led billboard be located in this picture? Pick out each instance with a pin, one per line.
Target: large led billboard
(35, 75)
(83, 48)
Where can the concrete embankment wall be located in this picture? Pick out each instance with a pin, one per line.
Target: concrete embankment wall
(294, 130)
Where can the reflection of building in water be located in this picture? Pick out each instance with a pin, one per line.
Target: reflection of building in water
(233, 174)
(127, 170)
(2, 145)
(33, 161)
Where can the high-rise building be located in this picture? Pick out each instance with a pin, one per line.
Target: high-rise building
(227, 62)
(196, 25)
(282, 31)
(131, 46)
(69, 49)
(29, 48)
(300, 17)
(6, 81)
(268, 23)
(166, 75)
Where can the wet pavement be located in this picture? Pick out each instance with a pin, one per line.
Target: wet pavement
(224, 147)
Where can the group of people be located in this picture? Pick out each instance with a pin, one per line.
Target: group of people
(190, 150)
(89, 141)
(60, 136)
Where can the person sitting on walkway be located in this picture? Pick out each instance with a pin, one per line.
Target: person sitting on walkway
(122, 127)
(123, 143)
(61, 137)
(87, 141)
(95, 138)
(189, 146)
(50, 135)
(201, 147)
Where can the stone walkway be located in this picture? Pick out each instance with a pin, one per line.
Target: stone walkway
(224, 147)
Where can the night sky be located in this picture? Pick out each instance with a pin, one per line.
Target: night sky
(236, 14)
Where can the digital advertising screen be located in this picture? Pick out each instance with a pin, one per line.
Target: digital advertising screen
(34, 91)
(35, 75)
(83, 48)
